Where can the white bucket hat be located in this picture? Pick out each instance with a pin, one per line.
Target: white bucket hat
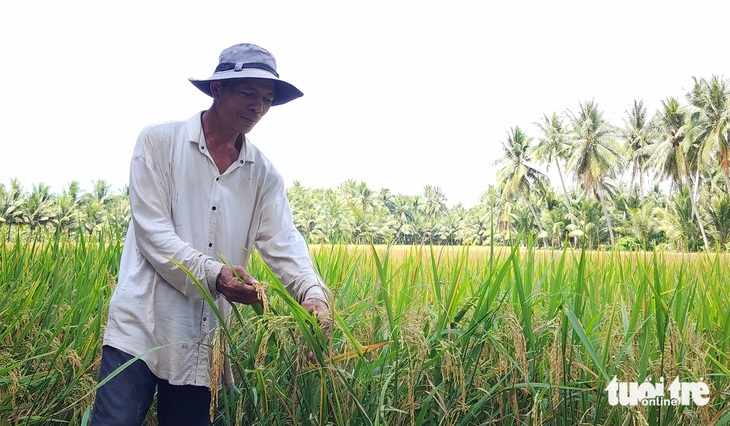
(248, 60)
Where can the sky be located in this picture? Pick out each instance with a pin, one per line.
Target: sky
(397, 94)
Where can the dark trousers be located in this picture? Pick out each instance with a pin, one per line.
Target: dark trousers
(125, 399)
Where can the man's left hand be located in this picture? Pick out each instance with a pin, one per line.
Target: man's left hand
(321, 312)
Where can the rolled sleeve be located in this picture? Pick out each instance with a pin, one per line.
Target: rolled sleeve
(212, 270)
(319, 292)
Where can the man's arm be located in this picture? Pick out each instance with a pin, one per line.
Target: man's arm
(284, 250)
(155, 234)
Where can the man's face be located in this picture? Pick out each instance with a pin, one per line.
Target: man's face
(241, 103)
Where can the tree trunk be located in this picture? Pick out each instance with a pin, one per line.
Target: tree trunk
(599, 191)
(534, 216)
(694, 190)
(641, 184)
(565, 191)
(633, 177)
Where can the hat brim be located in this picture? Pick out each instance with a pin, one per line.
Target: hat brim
(283, 91)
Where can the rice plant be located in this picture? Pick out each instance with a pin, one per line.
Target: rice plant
(422, 336)
(53, 304)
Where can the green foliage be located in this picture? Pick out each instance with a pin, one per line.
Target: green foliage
(686, 146)
(53, 304)
(422, 335)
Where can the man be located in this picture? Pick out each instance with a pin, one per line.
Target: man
(200, 193)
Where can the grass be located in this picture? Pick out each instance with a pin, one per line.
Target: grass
(421, 336)
(53, 302)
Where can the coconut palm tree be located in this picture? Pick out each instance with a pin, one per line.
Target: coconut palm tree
(553, 146)
(522, 221)
(518, 176)
(67, 213)
(304, 214)
(387, 198)
(694, 165)
(709, 124)
(406, 216)
(481, 224)
(584, 228)
(637, 134)
(101, 192)
(595, 154)
(94, 215)
(719, 219)
(12, 199)
(449, 224)
(39, 208)
(434, 207)
(679, 223)
(358, 195)
(434, 201)
(555, 218)
(642, 226)
(665, 155)
(674, 157)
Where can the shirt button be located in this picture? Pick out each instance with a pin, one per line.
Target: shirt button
(205, 319)
(210, 244)
(241, 161)
(217, 179)
(213, 207)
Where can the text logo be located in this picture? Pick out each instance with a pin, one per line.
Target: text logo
(648, 393)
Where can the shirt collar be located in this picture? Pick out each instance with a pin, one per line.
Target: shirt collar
(195, 132)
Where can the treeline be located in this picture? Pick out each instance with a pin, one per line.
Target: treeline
(354, 213)
(38, 212)
(601, 199)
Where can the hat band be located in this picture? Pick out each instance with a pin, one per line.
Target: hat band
(227, 66)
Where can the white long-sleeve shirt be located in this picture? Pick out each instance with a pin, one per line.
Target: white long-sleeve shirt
(184, 209)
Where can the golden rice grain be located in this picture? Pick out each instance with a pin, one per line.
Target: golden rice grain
(219, 348)
(261, 294)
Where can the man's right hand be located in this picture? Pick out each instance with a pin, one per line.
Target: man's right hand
(234, 290)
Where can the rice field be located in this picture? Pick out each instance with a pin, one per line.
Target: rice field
(422, 336)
